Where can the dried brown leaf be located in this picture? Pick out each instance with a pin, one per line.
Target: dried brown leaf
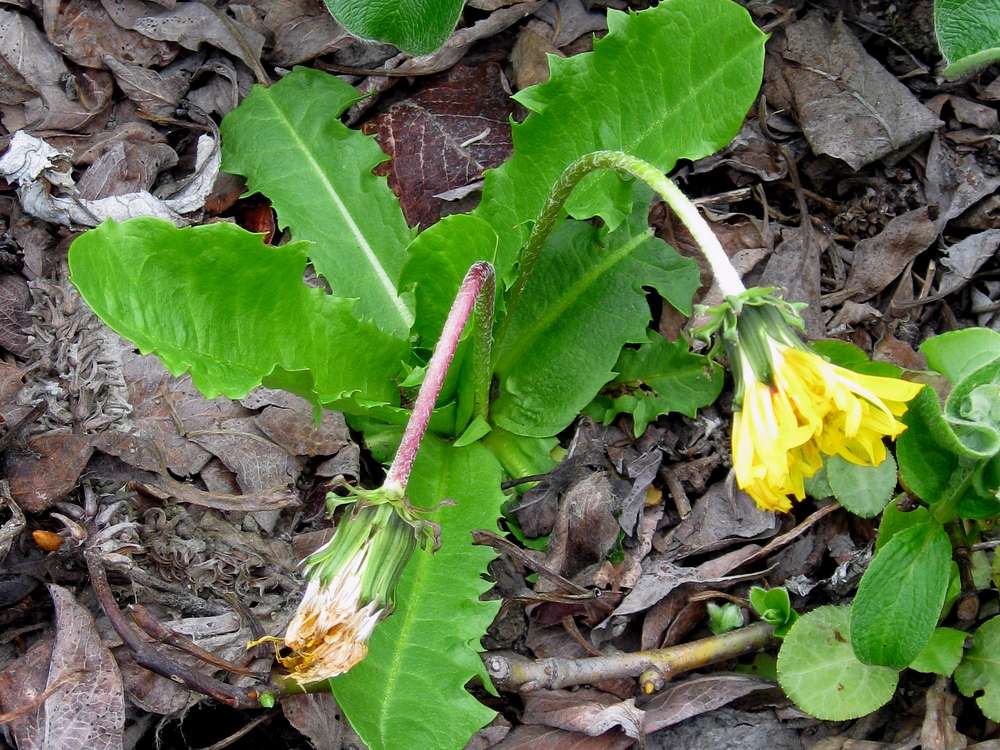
(526, 737)
(444, 136)
(85, 32)
(955, 182)
(15, 300)
(317, 717)
(586, 710)
(697, 695)
(878, 261)
(48, 470)
(849, 106)
(295, 430)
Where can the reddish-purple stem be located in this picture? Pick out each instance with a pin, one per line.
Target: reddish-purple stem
(399, 473)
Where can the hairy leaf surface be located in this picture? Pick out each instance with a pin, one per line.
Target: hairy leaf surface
(289, 143)
(671, 82)
(417, 27)
(583, 302)
(409, 692)
(968, 32)
(217, 302)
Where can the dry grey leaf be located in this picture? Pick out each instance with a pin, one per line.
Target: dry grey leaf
(849, 106)
(955, 182)
(124, 167)
(85, 32)
(490, 735)
(156, 92)
(29, 155)
(571, 19)
(295, 429)
(795, 268)
(37, 77)
(938, 731)
(15, 300)
(526, 737)
(14, 525)
(259, 464)
(879, 260)
(729, 728)
(192, 24)
(586, 710)
(585, 529)
(21, 682)
(696, 695)
(720, 518)
(750, 151)
(317, 717)
(301, 30)
(89, 712)
(964, 259)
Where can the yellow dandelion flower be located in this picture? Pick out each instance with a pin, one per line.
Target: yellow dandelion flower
(793, 407)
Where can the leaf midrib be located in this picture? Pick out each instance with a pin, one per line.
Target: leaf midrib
(570, 297)
(362, 242)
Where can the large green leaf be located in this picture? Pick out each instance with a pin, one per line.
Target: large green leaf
(417, 27)
(583, 302)
(672, 82)
(409, 691)
(658, 378)
(216, 301)
(289, 143)
(900, 596)
(818, 670)
(968, 32)
(864, 490)
(979, 672)
(957, 353)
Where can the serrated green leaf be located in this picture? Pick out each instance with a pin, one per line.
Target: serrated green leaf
(942, 653)
(417, 27)
(979, 671)
(818, 670)
(583, 302)
(437, 262)
(900, 596)
(957, 353)
(863, 490)
(658, 378)
(217, 302)
(289, 143)
(671, 82)
(409, 692)
(968, 32)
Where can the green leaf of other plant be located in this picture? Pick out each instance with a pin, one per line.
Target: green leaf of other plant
(979, 671)
(900, 596)
(863, 490)
(775, 607)
(957, 353)
(289, 143)
(818, 670)
(942, 653)
(671, 82)
(894, 520)
(658, 378)
(409, 692)
(968, 32)
(583, 302)
(217, 302)
(722, 619)
(417, 27)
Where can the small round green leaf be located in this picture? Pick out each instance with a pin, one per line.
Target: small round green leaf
(980, 670)
(818, 670)
(863, 490)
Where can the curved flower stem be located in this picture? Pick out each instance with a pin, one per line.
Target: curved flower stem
(477, 292)
(725, 275)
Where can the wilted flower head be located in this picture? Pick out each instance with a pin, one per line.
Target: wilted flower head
(792, 406)
(352, 584)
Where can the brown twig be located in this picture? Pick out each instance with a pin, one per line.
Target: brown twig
(511, 673)
(162, 634)
(148, 657)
